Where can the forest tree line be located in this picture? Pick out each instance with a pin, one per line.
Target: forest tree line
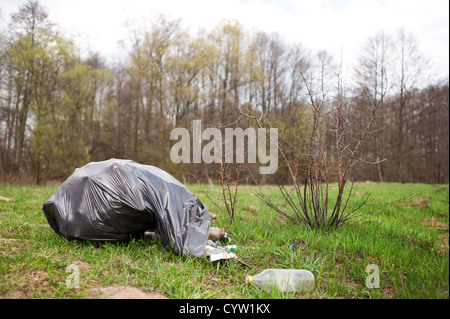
(60, 109)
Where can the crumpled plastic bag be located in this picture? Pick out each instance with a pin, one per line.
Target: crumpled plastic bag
(116, 200)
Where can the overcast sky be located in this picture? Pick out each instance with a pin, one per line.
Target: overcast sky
(334, 25)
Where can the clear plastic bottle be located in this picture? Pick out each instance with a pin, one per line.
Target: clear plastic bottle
(285, 280)
(152, 235)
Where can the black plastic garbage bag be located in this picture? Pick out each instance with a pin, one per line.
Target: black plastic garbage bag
(116, 200)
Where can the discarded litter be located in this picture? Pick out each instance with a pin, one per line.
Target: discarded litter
(216, 234)
(230, 248)
(285, 280)
(151, 235)
(116, 200)
(226, 239)
(218, 253)
(214, 251)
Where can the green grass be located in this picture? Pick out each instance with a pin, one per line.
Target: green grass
(412, 257)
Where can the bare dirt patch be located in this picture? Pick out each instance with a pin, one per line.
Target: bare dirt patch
(10, 246)
(123, 292)
(418, 202)
(444, 239)
(434, 223)
(27, 284)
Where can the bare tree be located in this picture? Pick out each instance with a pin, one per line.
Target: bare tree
(229, 176)
(58, 110)
(408, 69)
(372, 86)
(332, 148)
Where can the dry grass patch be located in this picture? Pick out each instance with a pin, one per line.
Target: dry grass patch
(434, 223)
(418, 202)
(11, 246)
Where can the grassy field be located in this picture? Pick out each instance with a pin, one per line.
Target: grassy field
(408, 244)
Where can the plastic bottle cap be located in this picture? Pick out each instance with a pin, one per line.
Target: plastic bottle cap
(248, 279)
